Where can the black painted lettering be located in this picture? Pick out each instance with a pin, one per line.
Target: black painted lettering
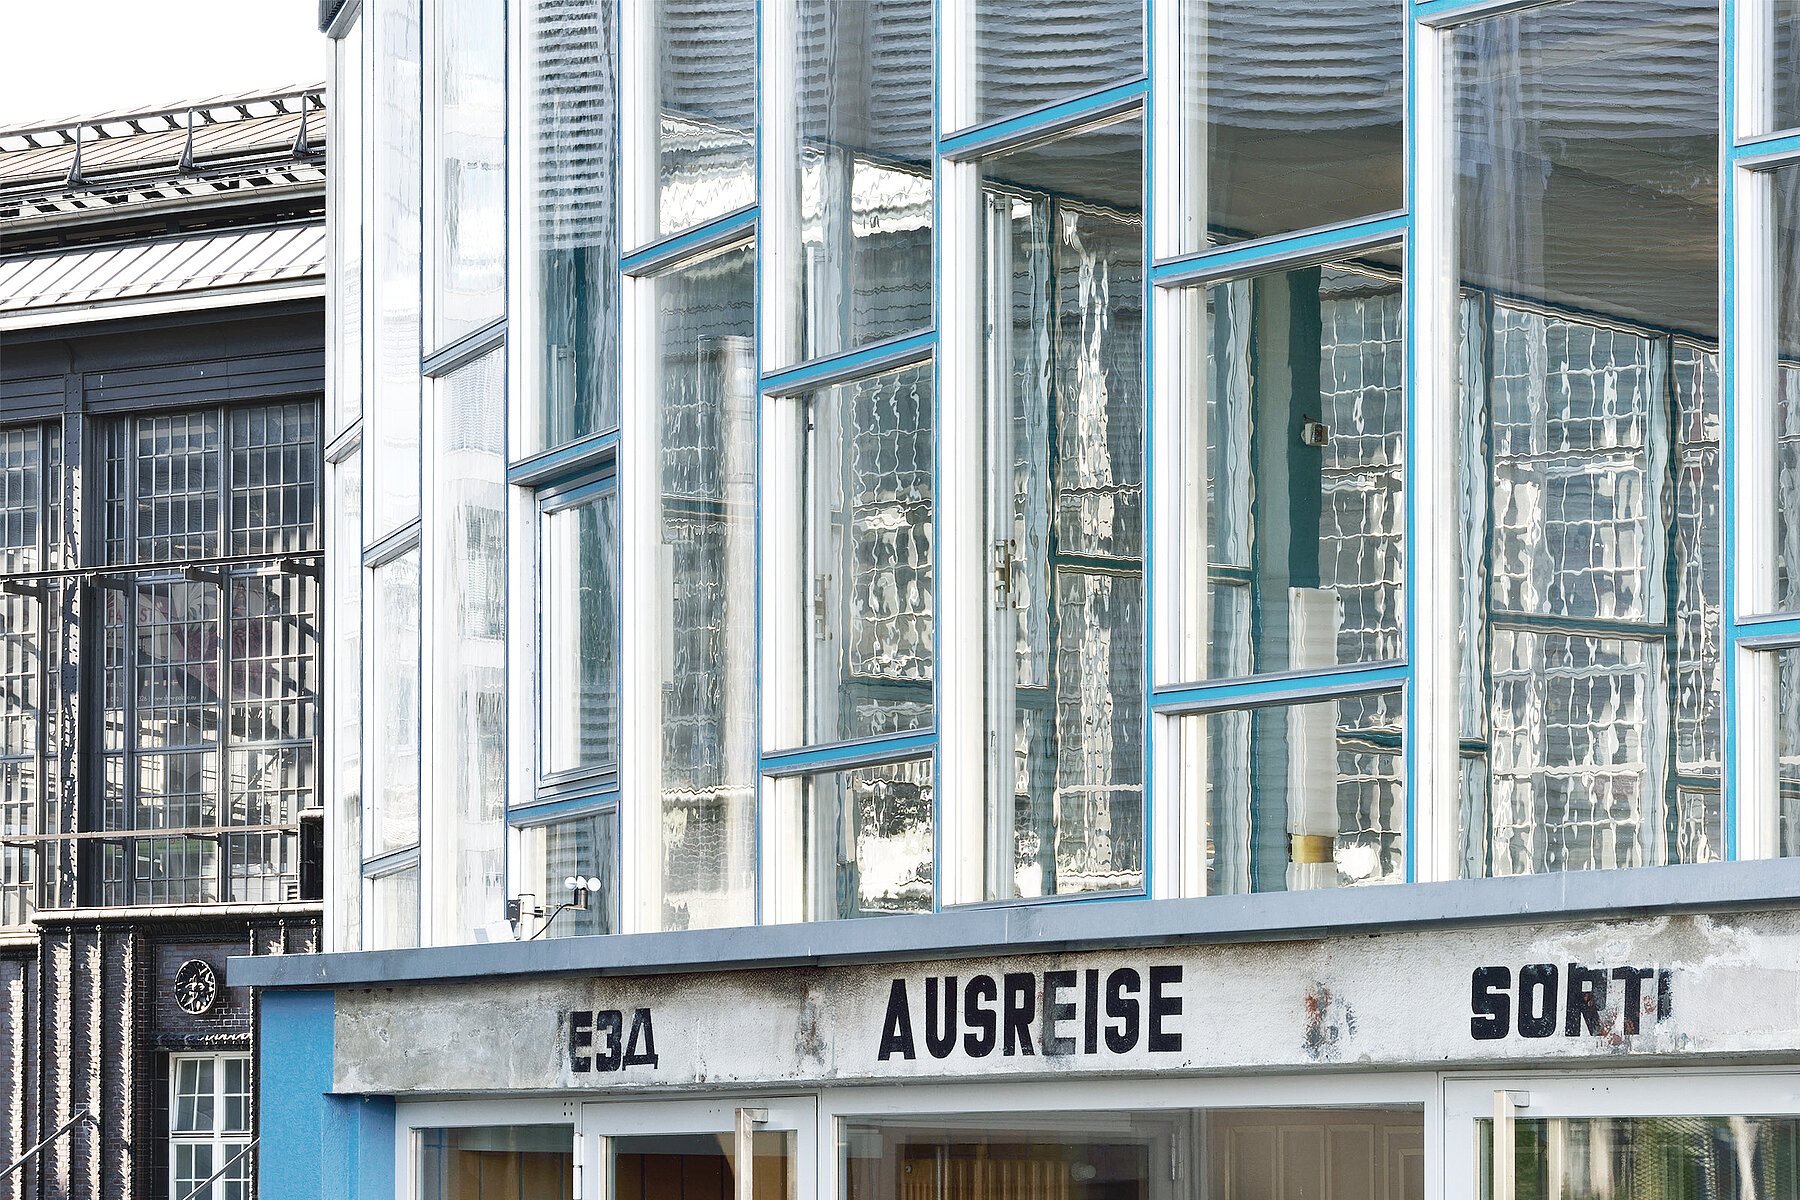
(1665, 993)
(1056, 1011)
(1537, 1000)
(1021, 1006)
(1490, 999)
(940, 1016)
(896, 1027)
(1090, 1012)
(1163, 1005)
(611, 1024)
(979, 1041)
(1122, 987)
(1584, 992)
(1633, 1004)
(581, 1036)
(641, 1052)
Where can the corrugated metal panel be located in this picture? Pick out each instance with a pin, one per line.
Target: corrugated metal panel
(228, 259)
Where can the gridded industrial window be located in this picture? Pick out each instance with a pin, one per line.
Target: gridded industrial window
(209, 1127)
(30, 521)
(209, 653)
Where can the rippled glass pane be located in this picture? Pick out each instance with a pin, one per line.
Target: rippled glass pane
(1648, 1158)
(1589, 476)
(345, 153)
(864, 456)
(1780, 109)
(863, 117)
(468, 528)
(469, 236)
(1785, 237)
(1030, 55)
(706, 391)
(394, 707)
(571, 193)
(344, 623)
(1301, 390)
(1292, 116)
(706, 88)
(584, 847)
(1787, 750)
(392, 905)
(1298, 796)
(579, 558)
(1063, 292)
(397, 252)
(867, 841)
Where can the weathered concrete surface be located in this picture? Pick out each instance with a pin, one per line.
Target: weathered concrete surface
(1709, 987)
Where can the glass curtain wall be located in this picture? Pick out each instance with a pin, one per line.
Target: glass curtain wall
(705, 71)
(1063, 289)
(706, 468)
(391, 814)
(397, 254)
(1587, 259)
(469, 232)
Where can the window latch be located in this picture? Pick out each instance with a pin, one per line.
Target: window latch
(1003, 564)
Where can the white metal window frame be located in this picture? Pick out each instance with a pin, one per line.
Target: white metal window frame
(411, 1118)
(222, 1142)
(1469, 1100)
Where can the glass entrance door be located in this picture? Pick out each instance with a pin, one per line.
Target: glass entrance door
(1647, 1137)
(758, 1149)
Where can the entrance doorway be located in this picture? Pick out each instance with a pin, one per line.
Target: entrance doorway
(756, 1150)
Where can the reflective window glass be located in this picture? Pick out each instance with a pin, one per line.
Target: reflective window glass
(1291, 116)
(1293, 554)
(399, 150)
(864, 571)
(1785, 242)
(583, 848)
(469, 235)
(1786, 667)
(859, 842)
(344, 178)
(391, 910)
(571, 195)
(863, 116)
(1780, 109)
(1589, 473)
(1063, 293)
(706, 393)
(706, 75)
(468, 527)
(1031, 55)
(506, 1161)
(344, 622)
(1693, 1158)
(1298, 796)
(579, 702)
(394, 701)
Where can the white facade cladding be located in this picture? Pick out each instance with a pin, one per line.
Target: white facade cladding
(943, 598)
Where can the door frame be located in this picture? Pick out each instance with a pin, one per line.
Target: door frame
(1645, 1092)
(411, 1116)
(600, 1119)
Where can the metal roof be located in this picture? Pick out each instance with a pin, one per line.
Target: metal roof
(170, 267)
(115, 160)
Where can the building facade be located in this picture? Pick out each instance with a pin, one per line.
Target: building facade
(161, 374)
(944, 598)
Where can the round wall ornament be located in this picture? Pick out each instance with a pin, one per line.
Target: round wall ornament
(196, 986)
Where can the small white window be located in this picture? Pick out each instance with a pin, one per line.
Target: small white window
(209, 1127)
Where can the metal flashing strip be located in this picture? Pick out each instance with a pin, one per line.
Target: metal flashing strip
(464, 350)
(557, 462)
(1767, 150)
(846, 756)
(177, 912)
(962, 933)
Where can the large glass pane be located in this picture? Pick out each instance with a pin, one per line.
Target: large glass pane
(1196, 1154)
(1293, 556)
(1786, 243)
(1587, 252)
(469, 236)
(1648, 1158)
(706, 513)
(1063, 288)
(863, 117)
(579, 557)
(511, 1162)
(584, 847)
(22, 646)
(865, 572)
(391, 909)
(702, 1166)
(572, 226)
(706, 73)
(1291, 116)
(469, 600)
(344, 176)
(865, 839)
(345, 625)
(392, 821)
(397, 254)
(1787, 751)
(1298, 796)
(194, 1078)
(1030, 55)
(1780, 109)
